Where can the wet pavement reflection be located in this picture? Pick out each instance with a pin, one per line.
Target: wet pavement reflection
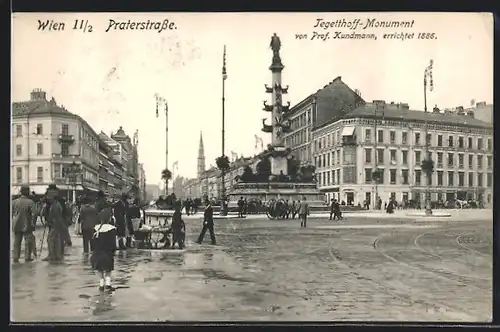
(260, 270)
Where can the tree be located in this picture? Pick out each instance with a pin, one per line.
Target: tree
(222, 163)
(427, 167)
(166, 176)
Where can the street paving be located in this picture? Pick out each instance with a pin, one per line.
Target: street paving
(357, 269)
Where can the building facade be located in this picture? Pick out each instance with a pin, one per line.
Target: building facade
(46, 140)
(330, 102)
(390, 137)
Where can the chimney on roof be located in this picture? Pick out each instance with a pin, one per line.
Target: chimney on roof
(460, 110)
(38, 94)
(404, 106)
(481, 104)
(435, 109)
(379, 103)
(470, 113)
(392, 103)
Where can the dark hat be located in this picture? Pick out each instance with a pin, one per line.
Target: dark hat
(52, 187)
(25, 190)
(100, 194)
(124, 196)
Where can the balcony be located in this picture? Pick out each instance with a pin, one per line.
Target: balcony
(66, 139)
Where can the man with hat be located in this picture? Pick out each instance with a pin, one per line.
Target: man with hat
(55, 220)
(23, 225)
(120, 213)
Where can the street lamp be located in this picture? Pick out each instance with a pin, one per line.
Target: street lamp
(72, 173)
(160, 101)
(378, 105)
(224, 77)
(428, 163)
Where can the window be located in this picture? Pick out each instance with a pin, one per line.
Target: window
(39, 149)
(440, 140)
(349, 174)
(479, 179)
(349, 156)
(404, 137)
(368, 175)
(450, 159)
(19, 150)
(440, 178)
(404, 155)
(490, 161)
(417, 157)
(392, 136)
(471, 161)
(479, 143)
(417, 138)
(393, 156)
(328, 178)
(39, 174)
(450, 141)
(39, 129)
(64, 150)
(461, 177)
(428, 140)
(368, 156)
(333, 177)
(461, 142)
(489, 180)
(316, 161)
(471, 179)
(380, 137)
(382, 178)
(19, 131)
(64, 129)
(392, 176)
(380, 156)
(418, 177)
(333, 158)
(19, 174)
(328, 160)
(461, 160)
(440, 160)
(324, 160)
(368, 135)
(404, 174)
(57, 171)
(469, 143)
(479, 161)
(490, 144)
(451, 176)
(338, 157)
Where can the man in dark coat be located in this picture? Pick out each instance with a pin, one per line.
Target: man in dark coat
(55, 220)
(89, 218)
(120, 212)
(134, 212)
(241, 204)
(208, 224)
(23, 225)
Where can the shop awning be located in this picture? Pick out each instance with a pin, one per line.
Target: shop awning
(348, 131)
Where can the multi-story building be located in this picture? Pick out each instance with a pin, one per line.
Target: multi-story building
(128, 152)
(482, 111)
(330, 102)
(47, 141)
(142, 181)
(391, 138)
(116, 184)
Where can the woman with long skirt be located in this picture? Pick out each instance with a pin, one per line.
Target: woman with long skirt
(103, 253)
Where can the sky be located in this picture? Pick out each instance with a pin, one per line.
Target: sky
(111, 78)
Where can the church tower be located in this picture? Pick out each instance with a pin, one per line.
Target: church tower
(201, 157)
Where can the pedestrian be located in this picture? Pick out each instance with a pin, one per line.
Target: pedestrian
(23, 225)
(332, 208)
(67, 217)
(178, 227)
(103, 253)
(337, 211)
(55, 221)
(120, 213)
(294, 209)
(303, 212)
(89, 218)
(133, 220)
(241, 204)
(287, 210)
(208, 224)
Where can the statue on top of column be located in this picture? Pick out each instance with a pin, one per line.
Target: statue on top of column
(275, 44)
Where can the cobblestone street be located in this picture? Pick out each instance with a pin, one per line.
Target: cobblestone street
(356, 269)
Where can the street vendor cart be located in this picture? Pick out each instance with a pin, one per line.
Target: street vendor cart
(154, 230)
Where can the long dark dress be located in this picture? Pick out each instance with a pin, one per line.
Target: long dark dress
(120, 212)
(104, 247)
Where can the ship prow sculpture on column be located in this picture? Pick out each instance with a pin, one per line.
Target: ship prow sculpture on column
(278, 177)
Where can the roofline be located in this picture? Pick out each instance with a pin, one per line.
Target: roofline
(372, 116)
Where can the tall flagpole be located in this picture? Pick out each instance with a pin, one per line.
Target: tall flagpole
(224, 77)
(427, 74)
(162, 101)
